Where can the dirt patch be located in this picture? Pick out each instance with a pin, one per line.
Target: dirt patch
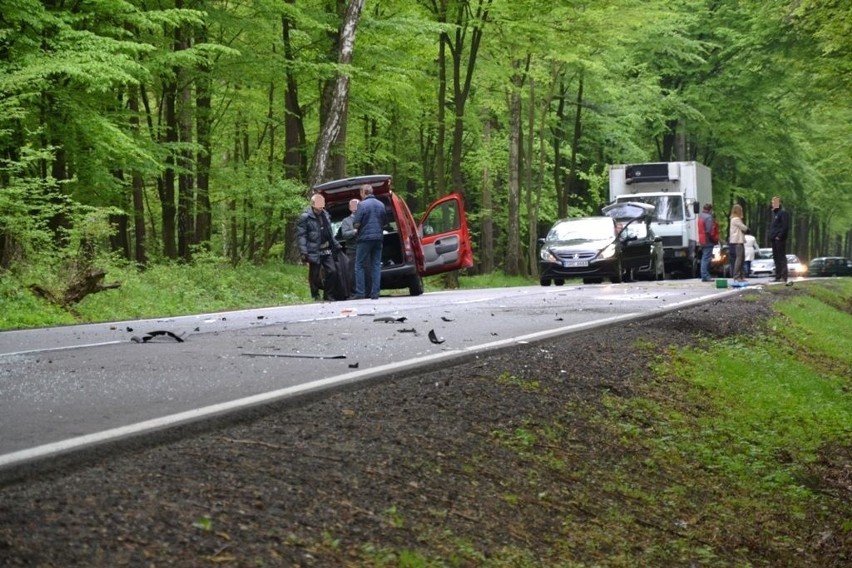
(509, 460)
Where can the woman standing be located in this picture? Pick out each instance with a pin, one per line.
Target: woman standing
(736, 239)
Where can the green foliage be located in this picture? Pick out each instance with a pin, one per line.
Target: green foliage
(209, 285)
(652, 74)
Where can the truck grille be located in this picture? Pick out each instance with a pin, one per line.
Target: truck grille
(672, 241)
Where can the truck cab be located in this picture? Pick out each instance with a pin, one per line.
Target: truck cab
(676, 190)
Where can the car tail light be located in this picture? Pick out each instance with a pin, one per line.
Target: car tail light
(407, 251)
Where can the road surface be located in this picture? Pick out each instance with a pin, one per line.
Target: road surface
(69, 388)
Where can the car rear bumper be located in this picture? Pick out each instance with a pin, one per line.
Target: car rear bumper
(397, 275)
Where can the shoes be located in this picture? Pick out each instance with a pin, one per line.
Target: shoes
(356, 297)
(707, 280)
(374, 297)
(316, 297)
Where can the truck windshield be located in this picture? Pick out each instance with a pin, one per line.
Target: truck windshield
(667, 208)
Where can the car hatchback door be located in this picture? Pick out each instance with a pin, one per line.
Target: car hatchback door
(445, 237)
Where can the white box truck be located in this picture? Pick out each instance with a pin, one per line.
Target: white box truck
(677, 190)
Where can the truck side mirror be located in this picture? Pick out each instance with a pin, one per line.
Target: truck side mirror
(695, 207)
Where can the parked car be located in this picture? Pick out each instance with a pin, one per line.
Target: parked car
(440, 242)
(618, 245)
(766, 266)
(763, 266)
(795, 267)
(830, 266)
(764, 253)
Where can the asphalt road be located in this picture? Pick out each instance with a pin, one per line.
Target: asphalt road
(70, 388)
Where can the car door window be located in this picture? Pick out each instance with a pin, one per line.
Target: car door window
(443, 219)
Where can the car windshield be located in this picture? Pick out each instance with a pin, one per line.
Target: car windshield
(636, 230)
(580, 230)
(666, 207)
(792, 258)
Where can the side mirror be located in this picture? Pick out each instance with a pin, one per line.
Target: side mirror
(696, 207)
(541, 242)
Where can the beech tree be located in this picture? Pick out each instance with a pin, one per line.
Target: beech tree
(200, 127)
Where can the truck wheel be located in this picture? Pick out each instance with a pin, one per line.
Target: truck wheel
(415, 285)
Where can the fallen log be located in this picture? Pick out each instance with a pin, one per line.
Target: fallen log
(85, 282)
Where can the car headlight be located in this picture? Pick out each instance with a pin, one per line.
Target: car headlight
(547, 256)
(607, 252)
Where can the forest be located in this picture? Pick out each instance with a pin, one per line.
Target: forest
(157, 132)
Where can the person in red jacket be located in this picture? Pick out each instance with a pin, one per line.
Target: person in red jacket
(708, 237)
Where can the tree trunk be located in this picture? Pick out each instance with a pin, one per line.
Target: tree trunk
(166, 186)
(531, 265)
(560, 182)
(186, 197)
(332, 125)
(486, 247)
(203, 126)
(513, 243)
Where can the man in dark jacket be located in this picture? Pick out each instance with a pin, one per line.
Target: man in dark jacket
(370, 219)
(317, 246)
(778, 230)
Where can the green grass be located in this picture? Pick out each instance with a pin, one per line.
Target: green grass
(728, 457)
(162, 290)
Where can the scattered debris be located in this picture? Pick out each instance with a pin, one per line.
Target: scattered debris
(444, 318)
(152, 334)
(353, 365)
(407, 330)
(388, 319)
(433, 337)
(285, 335)
(295, 355)
(129, 328)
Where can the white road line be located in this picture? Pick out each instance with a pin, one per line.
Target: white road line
(63, 348)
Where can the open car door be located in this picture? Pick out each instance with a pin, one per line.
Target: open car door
(445, 237)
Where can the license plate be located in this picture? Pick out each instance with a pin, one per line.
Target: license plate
(574, 263)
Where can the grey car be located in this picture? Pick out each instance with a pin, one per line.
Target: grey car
(618, 245)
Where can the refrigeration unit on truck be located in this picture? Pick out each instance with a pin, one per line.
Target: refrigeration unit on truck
(677, 190)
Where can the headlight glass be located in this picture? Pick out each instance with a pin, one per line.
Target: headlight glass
(607, 252)
(546, 256)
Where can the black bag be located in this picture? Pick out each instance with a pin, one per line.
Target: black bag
(345, 284)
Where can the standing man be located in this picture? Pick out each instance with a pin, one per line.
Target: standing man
(369, 221)
(778, 230)
(707, 238)
(316, 247)
(348, 237)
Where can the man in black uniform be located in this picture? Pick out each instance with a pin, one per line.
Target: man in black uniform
(778, 230)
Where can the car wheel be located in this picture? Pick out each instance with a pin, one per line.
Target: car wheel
(559, 282)
(545, 281)
(617, 278)
(415, 285)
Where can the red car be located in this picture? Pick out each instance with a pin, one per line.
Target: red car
(440, 242)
